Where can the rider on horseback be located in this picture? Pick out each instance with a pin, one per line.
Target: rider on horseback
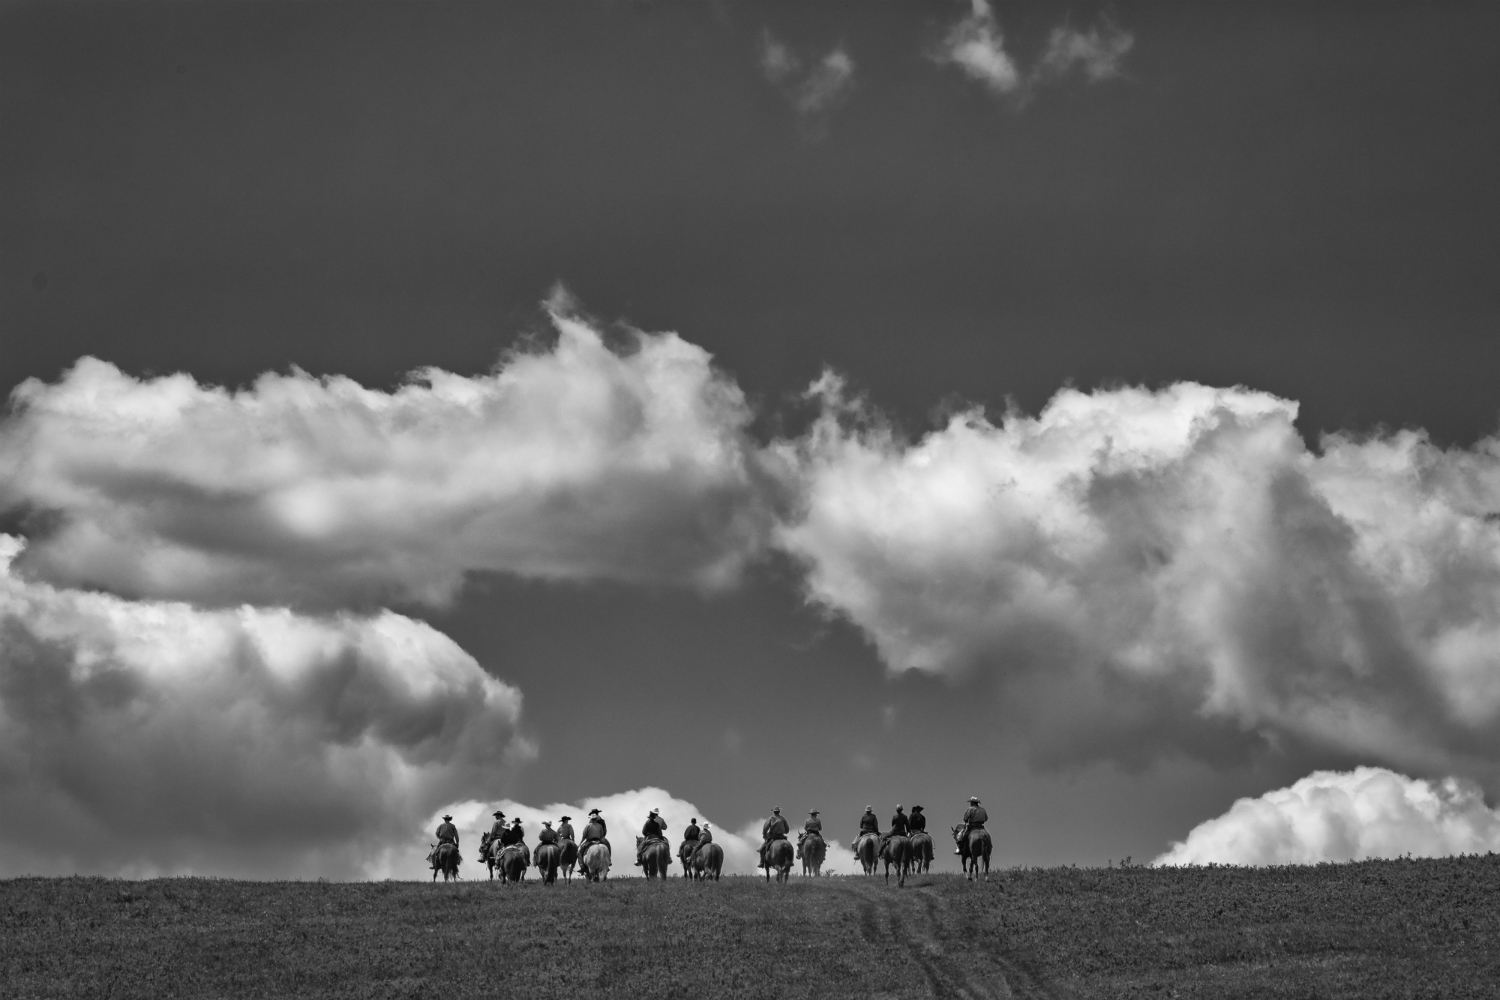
(489, 840)
(775, 828)
(704, 837)
(812, 826)
(447, 833)
(652, 829)
(690, 835)
(900, 827)
(917, 821)
(868, 823)
(594, 833)
(565, 828)
(515, 836)
(974, 819)
(547, 835)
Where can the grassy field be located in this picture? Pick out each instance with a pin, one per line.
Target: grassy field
(1428, 928)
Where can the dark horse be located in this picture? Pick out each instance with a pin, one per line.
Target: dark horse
(547, 858)
(512, 863)
(708, 861)
(567, 859)
(867, 849)
(492, 851)
(813, 852)
(921, 852)
(685, 854)
(897, 852)
(971, 849)
(779, 855)
(656, 856)
(444, 858)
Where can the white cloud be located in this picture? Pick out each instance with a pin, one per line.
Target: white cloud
(976, 46)
(1171, 570)
(827, 86)
(151, 737)
(566, 463)
(623, 812)
(1099, 51)
(1345, 816)
(777, 60)
(819, 90)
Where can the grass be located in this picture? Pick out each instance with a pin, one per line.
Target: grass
(1373, 929)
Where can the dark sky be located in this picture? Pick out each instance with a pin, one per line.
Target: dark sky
(1299, 198)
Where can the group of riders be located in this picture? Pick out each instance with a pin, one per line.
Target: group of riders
(969, 836)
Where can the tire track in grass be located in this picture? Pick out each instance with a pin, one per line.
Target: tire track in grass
(917, 921)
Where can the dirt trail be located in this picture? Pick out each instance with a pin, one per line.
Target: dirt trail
(917, 919)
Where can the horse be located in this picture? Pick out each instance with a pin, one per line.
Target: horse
(778, 855)
(867, 849)
(921, 852)
(708, 861)
(484, 853)
(547, 856)
(512, 863)
(444, 858)
(897, 852)
(685, 853)
(567, 859)
(813, 852)
(972, 848)
(595, 863)
(656, 856)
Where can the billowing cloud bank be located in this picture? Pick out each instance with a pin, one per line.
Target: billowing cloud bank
(623, 812)
(573, 462)
(1175, 568)
(142, 737)
(1334, 816)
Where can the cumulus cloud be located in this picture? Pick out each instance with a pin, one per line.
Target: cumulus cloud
(575, 461)
(1146, 571)
(816, 92)
(1345, 816)
(976, 46)
(145, 737)
(1098, 51)
(623, 812)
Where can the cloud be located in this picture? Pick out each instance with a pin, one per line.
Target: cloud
(976, 46)
(1099, 51)
(819, 90)
(570, 462)
(145, 737)
(1146, 572)
(1345, 816)
(623, 812)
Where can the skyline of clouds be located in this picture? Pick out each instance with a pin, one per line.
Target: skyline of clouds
(1142, 573)
(1174, 571)
(1345, 816)
(571, 462)
(150, 737)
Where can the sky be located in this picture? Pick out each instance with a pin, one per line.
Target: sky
(717, 407)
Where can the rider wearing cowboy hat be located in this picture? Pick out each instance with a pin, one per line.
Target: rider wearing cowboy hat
(974, 819)
(652, 829)
(775, 828)
(813, 825)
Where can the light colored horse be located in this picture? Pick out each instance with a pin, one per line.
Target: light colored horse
(708, 862)
(567, 859)
(547, 860)
(867, 849)
(594, 865)
(444, 858)
(921, 852)
(897, 852)
(814, 850)
(656, 858)
(972, 850)
(779, 856)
